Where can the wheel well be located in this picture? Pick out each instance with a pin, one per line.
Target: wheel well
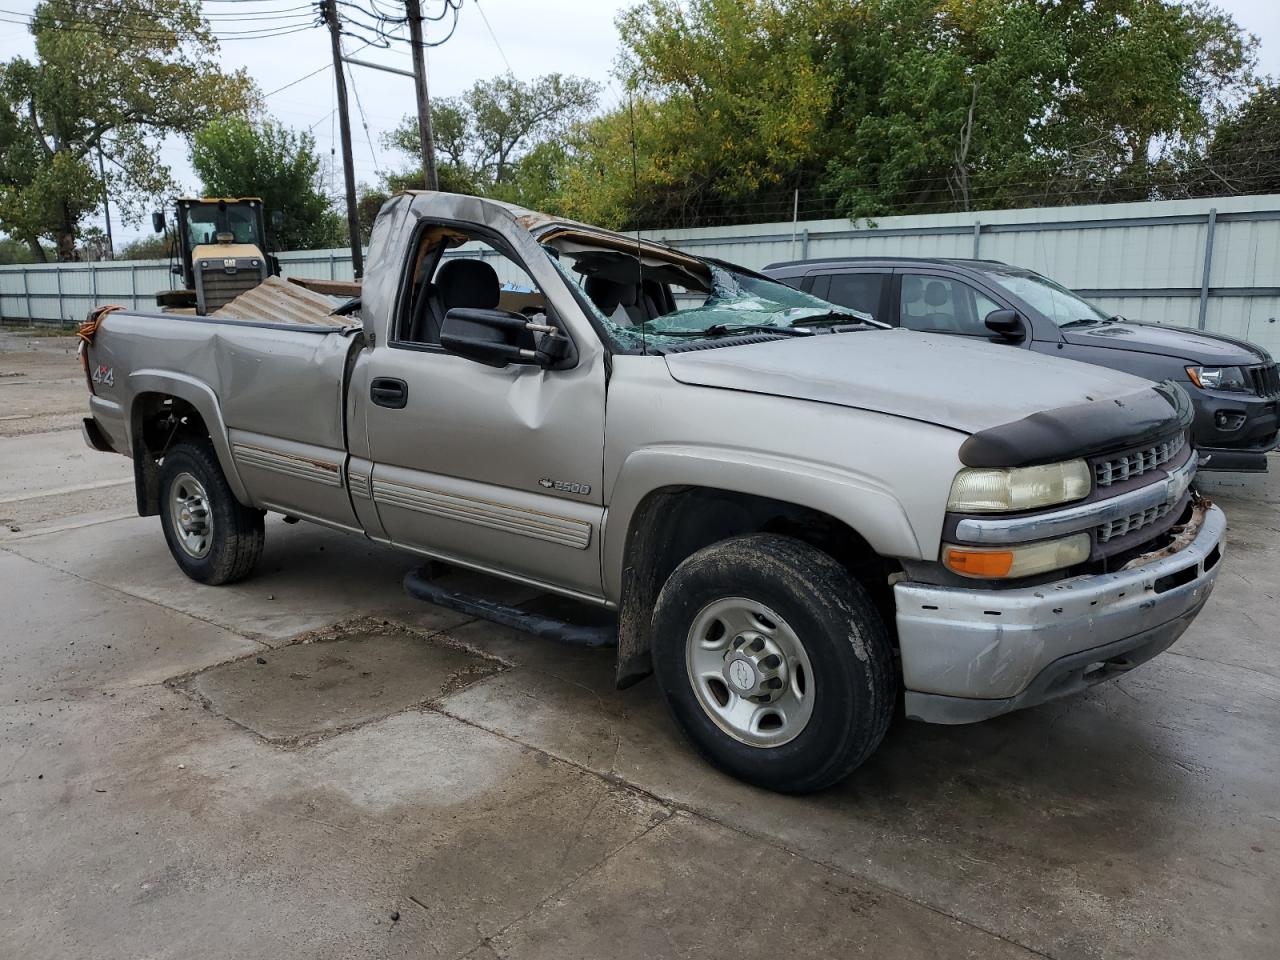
(157, 420)
(673, 523)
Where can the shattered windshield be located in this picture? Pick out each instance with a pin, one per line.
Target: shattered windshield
(655, 297)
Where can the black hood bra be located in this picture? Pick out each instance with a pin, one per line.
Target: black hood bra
(1082, 430)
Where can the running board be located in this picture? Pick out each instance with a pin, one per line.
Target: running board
(420, 583)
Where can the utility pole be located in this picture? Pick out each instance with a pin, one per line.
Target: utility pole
(329, 13)
(413, 10)
(106, 206)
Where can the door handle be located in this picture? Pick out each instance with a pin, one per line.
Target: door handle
(389, 392)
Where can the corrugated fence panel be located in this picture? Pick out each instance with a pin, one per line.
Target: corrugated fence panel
(1141, 260)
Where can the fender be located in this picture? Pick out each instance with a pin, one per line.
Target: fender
(201, 396)
(860, 502)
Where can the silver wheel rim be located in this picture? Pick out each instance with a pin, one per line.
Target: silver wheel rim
(750, 672)
(191, 516)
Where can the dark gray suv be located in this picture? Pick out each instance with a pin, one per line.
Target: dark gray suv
(1233, 384)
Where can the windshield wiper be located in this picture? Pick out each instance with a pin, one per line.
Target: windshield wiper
(733, 329)
(1083, 322)
(726, 330)
(838, 319)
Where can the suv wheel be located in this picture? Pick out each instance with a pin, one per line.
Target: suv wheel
(774, 662)
(214, 538)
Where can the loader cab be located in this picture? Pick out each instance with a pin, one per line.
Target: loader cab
(218, 248)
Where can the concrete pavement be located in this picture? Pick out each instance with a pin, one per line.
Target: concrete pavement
(165, 794)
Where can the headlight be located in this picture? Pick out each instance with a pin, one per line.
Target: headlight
(985, 490)
(1219, 378)
(1020, 561)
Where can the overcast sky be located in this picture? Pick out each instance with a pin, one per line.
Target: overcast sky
(566, 36)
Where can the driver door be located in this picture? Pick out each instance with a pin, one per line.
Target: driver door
(498, 468)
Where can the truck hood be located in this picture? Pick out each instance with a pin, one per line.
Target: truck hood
(1193, 346)
(962, 384)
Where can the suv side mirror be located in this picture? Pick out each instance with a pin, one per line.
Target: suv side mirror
(157, 221)
(1007, 325)
(498, 337)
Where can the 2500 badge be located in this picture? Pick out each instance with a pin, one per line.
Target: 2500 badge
(564, 486)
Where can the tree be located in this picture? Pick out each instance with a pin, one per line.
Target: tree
(371, 199)
(899, 106)
(497, 137)
(237, 158)
(1243, 155)
(154, 247)
(110, 79)
(15, 251)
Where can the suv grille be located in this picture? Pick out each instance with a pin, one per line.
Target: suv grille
(1135, 521)
(1137, 462)
(1264, 379)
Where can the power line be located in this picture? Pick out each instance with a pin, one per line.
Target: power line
(493, 36)
(293, 83)
(364, 121)
(308, 76)
(98, 27)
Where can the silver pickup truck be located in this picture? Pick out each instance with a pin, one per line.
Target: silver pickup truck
(800, 518)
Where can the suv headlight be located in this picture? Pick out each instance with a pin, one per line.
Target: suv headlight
(1219, 378)
(987, 490)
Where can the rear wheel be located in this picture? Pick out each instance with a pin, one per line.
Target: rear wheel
(774, 662)
(213, 537)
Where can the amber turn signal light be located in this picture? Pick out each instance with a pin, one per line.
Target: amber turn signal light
(979, 563)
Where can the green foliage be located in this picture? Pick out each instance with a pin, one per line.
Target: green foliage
(899, 106)
(15, 251)
(1021, 103)
(235, 157)
(153, 247)
(502, 137)
(370, 199)
(112, 78)
(1243, 155)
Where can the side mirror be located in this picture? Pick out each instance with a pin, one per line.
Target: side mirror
(277, 219)
(1007, 325)
(157, 221)
(498, 337)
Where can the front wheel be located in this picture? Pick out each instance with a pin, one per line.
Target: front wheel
(774, 662)
(214, 538)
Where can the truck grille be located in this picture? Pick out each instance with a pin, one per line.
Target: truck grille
(1135, 463)
(1264, 379)
(1134, 521)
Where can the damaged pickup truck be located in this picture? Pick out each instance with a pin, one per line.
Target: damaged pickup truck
(800, 518)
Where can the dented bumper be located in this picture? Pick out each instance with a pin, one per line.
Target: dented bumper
(969, 655)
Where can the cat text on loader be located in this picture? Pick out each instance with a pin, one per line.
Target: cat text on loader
(218, 248)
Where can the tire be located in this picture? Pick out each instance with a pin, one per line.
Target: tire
(817, 655)
(191, 480)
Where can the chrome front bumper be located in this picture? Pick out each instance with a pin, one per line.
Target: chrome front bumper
(972, 654)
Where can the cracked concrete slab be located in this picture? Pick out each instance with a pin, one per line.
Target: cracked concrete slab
(504, 856)
(1136, 820)
(690, 888)
(170, 833)
(63, 637)
(337, 679)
(46, 464)
(309, 577)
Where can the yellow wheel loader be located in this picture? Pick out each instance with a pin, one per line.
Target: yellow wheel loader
(218, 248)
